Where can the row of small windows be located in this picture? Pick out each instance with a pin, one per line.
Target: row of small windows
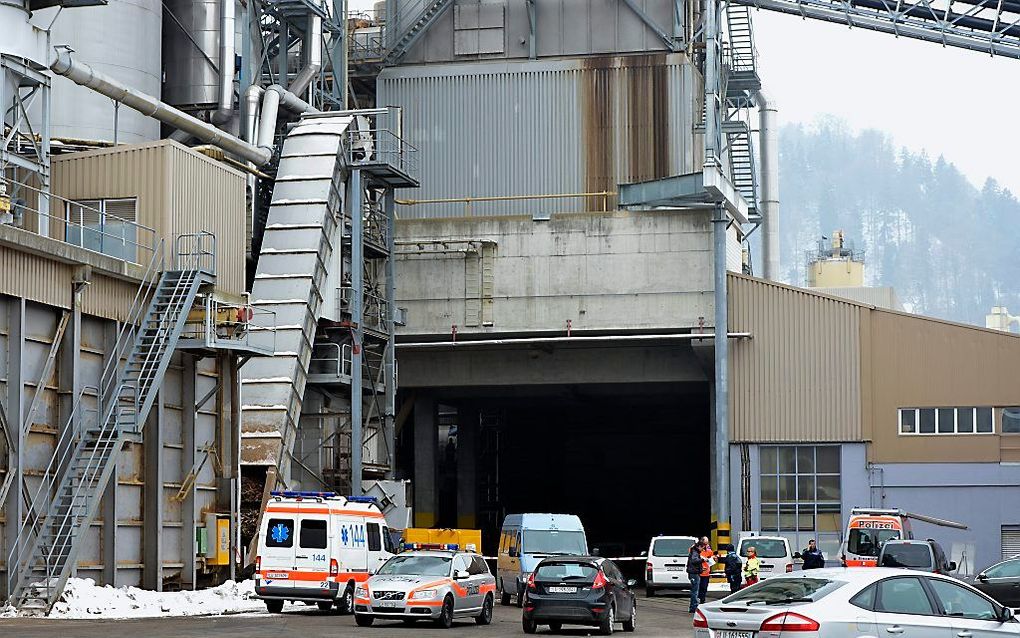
(968, 420)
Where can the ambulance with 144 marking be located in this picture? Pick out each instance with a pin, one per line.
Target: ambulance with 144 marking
(318, 547)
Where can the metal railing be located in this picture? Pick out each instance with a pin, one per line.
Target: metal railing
(367, 44)
(332, 359)
(381, 146)
(214, 322)
(195, 251)
(374, 313)
(602, 196)
(111, 235)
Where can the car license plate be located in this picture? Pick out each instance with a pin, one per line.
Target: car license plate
(674, 568)
(563, 590)
(387, 603)
(735, 634)
(278, 575)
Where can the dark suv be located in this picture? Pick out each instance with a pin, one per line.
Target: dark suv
(578, 590)
(926, 556)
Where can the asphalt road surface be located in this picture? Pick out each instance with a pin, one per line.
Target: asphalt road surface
(659, 617)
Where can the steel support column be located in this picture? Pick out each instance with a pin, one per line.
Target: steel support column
(281, 55)
(389, 423)
(721, 440)
(14, 509)
(153, 497)
(426, 461)
(355, 199)
(339, 56)
(189, 516)
(111, 513)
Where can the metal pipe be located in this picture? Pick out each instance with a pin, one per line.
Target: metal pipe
(313, 44)
(251, 98)
(685, 336)
(275, 97)
(225, 111)
(768, 145)
(86, 76)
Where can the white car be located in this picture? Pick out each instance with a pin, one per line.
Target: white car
(774, 554)
(666, 566)
(856, 602)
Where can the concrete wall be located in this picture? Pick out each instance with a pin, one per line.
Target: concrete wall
(620, 271)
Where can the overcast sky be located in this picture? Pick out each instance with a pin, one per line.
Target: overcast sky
(950, 102)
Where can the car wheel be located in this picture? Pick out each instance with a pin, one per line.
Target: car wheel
(520, 594)
(504, 596)
(555, 627)
(346, 602)
(485, 618)
(445, 620)
(529, 626)
(274, 606)
(606, 627)
(650, 592)
(364, 620)
(631, 623)
(325, 605)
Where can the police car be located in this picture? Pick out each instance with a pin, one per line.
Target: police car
(435, 584)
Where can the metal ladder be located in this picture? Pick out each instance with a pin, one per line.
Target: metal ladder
(431, 11)
(741, 38)
(743, 171)
(85, 456)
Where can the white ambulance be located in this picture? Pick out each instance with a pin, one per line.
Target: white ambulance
(317, 547)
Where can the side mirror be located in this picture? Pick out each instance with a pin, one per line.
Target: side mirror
(797, 556)
(983, 578)
(461, 575)
(631, 582)
(594, 551)
(952, 566)
(1006, 614)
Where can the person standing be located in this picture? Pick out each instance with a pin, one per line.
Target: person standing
(752, 567)
(694, 569)
(733, 568)
(813, 557)
(706, 568)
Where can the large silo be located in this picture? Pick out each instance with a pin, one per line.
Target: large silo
(120, 39)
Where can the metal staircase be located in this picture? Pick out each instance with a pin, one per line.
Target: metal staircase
(85, 456)
(431, 10)
(743, 171)
(741, 42)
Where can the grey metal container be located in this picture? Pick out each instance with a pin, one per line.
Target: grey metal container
(190, 78)
(120, 39)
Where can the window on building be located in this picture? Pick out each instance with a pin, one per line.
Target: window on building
(800, 494)
(1011, 420)
(949, 421)
(103, 225)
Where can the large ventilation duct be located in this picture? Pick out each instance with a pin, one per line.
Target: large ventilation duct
(275, 97)
(225, 110)
(313, 44)
(768, 125)
(85, 75)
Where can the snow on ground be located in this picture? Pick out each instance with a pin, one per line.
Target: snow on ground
(82, 598)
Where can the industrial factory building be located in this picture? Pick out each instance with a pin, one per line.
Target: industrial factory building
(452, 254)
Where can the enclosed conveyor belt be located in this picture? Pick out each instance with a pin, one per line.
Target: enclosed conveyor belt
(300, 236)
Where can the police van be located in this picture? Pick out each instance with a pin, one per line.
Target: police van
(317, 547)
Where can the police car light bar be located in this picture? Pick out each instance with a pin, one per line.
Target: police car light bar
(453, 547)
(296, 494)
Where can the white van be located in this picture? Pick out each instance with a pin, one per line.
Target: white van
(528, 538)
(774, 552)
(666, 566)
(317, 547)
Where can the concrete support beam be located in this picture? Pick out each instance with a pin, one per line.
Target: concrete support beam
(189, 516)
(14, 508)
(426, 462)
(467, 467)
(152, 526)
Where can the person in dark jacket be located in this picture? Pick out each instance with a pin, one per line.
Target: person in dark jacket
(695, 564)
(733, 568)
(812, 556)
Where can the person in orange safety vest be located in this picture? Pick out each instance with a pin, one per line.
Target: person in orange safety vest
(706, 568)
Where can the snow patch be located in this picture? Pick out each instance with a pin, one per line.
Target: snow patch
(82, 598)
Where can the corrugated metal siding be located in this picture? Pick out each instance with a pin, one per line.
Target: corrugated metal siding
(35, 278)
(799, 377)
(545, 127)
(178, 190)
(881, 297)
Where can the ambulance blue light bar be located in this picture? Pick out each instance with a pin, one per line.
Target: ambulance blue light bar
(296, 494)
(363, 499)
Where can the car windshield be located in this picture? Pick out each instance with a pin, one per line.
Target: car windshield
(417, 566)
(554, 542)
(915, 555)
(671, 547)
(765, 547)
(869, 542)
(780, 590)
(581, 572)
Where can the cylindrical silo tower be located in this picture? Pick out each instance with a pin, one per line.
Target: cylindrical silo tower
(120, 39)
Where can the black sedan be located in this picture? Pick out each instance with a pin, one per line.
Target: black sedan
(1001, 581)
(579, 590)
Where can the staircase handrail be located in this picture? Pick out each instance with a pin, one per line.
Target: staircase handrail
(199, 256)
